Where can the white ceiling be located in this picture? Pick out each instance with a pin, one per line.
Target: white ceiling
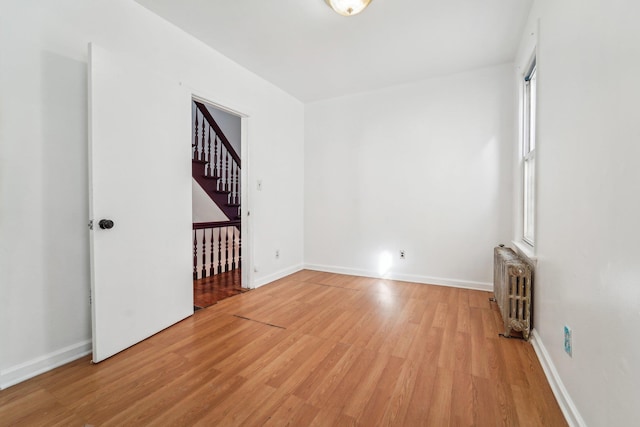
(311, 52)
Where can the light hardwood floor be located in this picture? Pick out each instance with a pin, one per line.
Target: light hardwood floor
(312, 349)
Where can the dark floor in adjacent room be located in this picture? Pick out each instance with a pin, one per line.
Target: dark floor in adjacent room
(210, 290)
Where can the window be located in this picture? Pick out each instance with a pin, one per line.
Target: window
(529, 154)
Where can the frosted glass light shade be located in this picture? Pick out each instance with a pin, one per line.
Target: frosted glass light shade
(348, 7)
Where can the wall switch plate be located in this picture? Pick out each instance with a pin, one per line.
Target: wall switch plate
(568, 348)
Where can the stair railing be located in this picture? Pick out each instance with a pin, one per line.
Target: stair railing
(217, 248)
(222, 163)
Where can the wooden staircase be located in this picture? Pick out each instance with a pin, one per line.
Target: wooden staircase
(211, 185)
(215, 165)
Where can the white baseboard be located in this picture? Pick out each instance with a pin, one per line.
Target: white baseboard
(42, 364)
(454, 283)
(275, 276)
(571, 414)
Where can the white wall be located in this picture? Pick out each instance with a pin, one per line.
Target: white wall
(203, 209)
(230, 126)
(588, 274)
(44, 263)
(425, 167)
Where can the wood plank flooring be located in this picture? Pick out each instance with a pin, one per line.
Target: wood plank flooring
(210, 290)
(312, 349)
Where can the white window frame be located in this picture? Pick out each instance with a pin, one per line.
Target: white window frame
(529, 154)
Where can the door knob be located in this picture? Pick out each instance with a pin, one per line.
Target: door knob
(105, 224)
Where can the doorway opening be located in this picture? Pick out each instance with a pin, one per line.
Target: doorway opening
(216, 150)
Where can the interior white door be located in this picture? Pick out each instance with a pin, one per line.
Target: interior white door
(140, 172)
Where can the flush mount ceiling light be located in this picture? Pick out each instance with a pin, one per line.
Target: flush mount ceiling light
(348, 7)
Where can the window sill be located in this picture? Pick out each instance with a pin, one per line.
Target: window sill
(524, 249)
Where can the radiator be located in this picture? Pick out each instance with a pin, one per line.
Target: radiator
(512, 288)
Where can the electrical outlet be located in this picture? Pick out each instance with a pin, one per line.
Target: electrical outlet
(568, 347)
(277, 253)
(402, 254)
